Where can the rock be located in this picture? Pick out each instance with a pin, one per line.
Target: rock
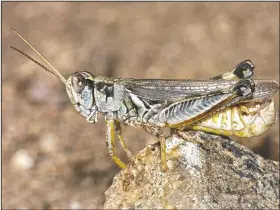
(206, 172)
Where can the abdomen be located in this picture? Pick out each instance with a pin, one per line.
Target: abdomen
(243, 120)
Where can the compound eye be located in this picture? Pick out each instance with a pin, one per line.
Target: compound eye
(78, 82)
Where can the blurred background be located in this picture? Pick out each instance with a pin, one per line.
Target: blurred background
(53, 158)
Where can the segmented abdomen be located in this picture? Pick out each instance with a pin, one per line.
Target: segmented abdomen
(246, 120)
(188, 109)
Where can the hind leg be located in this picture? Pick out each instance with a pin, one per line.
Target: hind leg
(243, 70)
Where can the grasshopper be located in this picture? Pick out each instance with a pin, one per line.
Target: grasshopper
(152, 104)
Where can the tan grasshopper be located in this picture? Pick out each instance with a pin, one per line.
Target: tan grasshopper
(228, 104)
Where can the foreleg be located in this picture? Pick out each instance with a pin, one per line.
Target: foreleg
(110, 142)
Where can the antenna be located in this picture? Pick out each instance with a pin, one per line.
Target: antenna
(32, 59)
(53, 71)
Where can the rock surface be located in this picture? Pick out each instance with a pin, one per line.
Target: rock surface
(206, 171)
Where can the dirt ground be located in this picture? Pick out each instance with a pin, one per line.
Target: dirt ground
(53, 158)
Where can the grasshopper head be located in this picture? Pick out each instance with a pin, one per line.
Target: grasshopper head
(79, 87)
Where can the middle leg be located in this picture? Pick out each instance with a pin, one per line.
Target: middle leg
(118, 130)
(157, 132)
